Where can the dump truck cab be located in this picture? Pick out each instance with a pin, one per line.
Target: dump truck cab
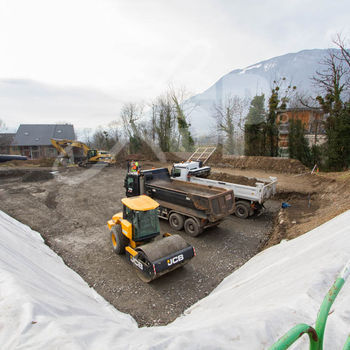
(132, 184)
(180, 171)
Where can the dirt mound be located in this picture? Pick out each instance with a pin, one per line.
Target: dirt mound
(237, 179)
(174, 157)
(149, 156)
(34, 176)
(282, 165)
(329, 198)
(135, 157)
(30, 163)
(11, 172)
(216, 157)
(146, 153)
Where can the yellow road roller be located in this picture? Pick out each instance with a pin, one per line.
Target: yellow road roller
(135, 231)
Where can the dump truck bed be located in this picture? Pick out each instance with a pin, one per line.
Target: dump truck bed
(188, 188)
(261, 192)
(213, 202)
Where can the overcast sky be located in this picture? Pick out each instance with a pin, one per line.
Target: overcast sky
(133, 49)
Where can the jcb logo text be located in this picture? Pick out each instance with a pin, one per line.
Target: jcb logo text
(175, 260)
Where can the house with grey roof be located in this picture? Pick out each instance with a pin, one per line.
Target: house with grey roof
(34, 140)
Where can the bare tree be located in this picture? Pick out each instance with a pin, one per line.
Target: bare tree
(131, 114)
(2, 125)
(87, 137)
(333, 99)
(166, 123)
(114, 130)
(229, 115)
(333, 74)
(344, 57)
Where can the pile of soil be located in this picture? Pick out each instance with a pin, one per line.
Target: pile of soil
(47, 162)
(181, 156)
(10, 172)
(34, 176)
(329, 198)
(175, 157)
(237, 179)
(148, 155)
(216, 157)
(280, 165)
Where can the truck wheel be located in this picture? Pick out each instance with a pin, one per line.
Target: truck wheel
(176, 221)
(242, 210)
(192, 227)
(119, 241)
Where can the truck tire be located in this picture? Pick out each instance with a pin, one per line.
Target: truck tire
(242, 210)
(119, 241)
(192, 227)
(176, 221)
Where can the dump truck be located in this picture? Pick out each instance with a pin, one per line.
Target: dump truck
(186, 205)
(79, 153)
(249, 200)
(134, 232)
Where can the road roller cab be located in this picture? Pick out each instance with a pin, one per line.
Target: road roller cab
(142, 213)
(134, 231)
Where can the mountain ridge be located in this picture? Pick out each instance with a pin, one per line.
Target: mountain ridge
(256, 79)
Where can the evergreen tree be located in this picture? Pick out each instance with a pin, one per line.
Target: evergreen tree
(298, 147)
(254, 137)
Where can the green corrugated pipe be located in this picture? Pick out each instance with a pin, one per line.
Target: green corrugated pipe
(347, 344)
(294, 334)
(316, 335)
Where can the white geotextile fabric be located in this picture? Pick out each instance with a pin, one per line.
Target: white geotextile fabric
(46, 305)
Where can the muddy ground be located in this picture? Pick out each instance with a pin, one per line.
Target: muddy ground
(70, 210)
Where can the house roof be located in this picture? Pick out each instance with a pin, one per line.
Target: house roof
(40, 134)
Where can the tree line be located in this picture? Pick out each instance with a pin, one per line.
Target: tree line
(333, 83)
(248, 127)
(164, 123)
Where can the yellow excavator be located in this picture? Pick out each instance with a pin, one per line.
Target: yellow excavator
(135, 230)
(79, 153)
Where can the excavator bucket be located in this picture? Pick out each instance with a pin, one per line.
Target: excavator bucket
(161, 256)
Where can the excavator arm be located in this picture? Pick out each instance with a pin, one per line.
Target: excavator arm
(58, 145)
(61, 144)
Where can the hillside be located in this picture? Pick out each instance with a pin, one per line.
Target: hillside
(255, 79)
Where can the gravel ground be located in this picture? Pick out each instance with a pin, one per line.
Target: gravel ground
(71, 210)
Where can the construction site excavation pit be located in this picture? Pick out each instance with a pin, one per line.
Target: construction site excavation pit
(70, 210)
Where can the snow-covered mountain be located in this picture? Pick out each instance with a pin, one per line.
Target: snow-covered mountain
(254, 80)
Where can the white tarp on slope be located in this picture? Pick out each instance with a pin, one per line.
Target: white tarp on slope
(45, 305)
